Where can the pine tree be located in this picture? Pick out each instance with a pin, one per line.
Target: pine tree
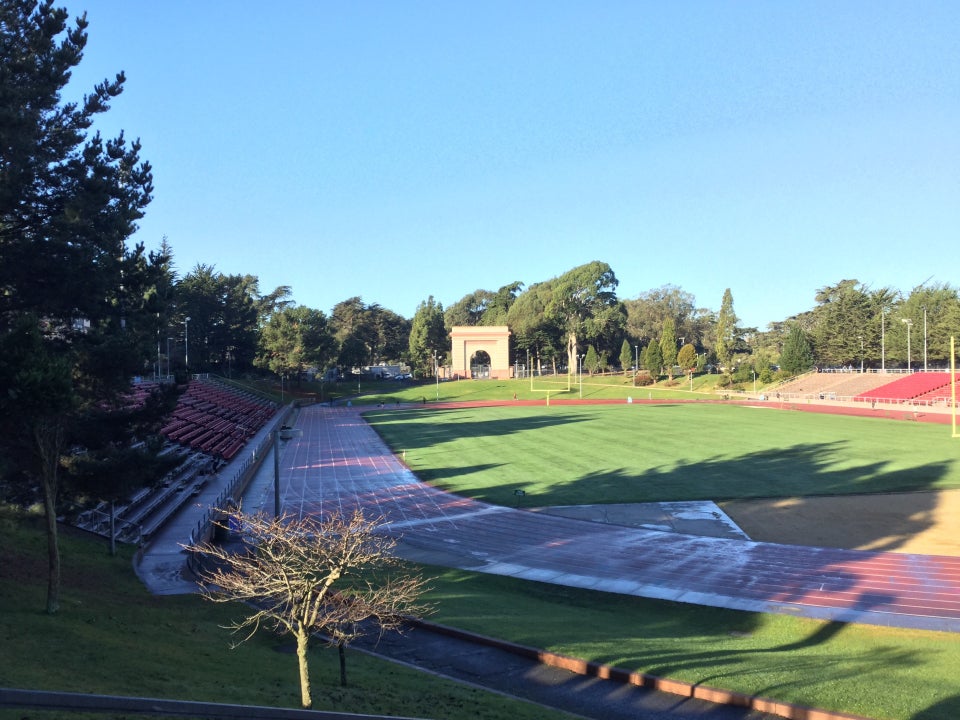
(626, 357)
(73, 309)
(726, 331)
(428, 338)
(668, 346)
(797, 355)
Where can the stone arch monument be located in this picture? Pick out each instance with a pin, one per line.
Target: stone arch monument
(467, 340)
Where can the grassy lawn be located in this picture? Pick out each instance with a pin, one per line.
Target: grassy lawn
(570, 455)
(633, 453)
(889, 674)
(112, 637)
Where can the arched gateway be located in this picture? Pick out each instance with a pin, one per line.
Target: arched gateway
(468, 340)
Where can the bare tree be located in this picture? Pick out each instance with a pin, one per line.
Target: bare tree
(334, 576)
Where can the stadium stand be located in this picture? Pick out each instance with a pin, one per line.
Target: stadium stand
(216, 419)
(211, 423)
(920, 388)
(831, 385)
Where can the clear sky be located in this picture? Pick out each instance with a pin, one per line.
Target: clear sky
(400, 149)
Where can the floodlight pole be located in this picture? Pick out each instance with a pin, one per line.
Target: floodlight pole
(883, 340)
(186, 342)
(580, 367)
(953, 387)
(909, 324)
(276, 472)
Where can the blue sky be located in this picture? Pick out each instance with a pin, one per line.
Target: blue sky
(397, 150)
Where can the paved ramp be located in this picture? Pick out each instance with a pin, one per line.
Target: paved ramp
(339, 463)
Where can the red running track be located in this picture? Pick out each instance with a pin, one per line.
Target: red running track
(339, 463)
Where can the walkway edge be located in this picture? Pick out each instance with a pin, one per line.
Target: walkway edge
(644, 680)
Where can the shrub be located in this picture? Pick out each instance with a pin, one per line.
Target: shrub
(642, 379)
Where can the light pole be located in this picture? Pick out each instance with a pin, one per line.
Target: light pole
(883, 340)
(909, 323)
(924, 338)
(436, 374)
(636, 359)
(861, 354)
(186, 342)
(580, 373)
(168, 356)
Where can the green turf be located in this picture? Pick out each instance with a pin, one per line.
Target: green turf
(572, 455)
(112, 637)
(598, 387)
(889, 674)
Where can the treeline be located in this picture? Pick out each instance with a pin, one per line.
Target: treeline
(556, 324)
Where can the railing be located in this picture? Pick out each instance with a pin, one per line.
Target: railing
(242, 477)
(937, 401)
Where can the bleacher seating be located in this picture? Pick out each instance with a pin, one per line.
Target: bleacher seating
(922, 387)
(210, 425)
(215, 419)
(837, 385)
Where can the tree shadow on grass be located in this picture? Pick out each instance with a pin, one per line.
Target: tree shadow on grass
(948, 709)
(393, 428)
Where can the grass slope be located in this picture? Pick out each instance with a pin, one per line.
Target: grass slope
(112, 637)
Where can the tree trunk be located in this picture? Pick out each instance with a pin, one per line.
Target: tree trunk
(303, 638)
(53, 546)
(342, 652)
(48, 438)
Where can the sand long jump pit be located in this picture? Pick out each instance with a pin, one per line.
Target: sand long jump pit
(923, 523)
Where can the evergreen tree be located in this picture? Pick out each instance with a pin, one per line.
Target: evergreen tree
(293, 340)
(73, 307)
(687, 357)
(652, 359)
(626, 357)
(591, 361)
(797, 355)
(428, 338)
(668, 346)
(726, 332)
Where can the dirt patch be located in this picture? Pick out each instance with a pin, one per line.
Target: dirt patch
(924, 523)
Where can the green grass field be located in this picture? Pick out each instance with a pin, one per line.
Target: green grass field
(567, 455)
(112, 637)
(883, 673)
(572, 455)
